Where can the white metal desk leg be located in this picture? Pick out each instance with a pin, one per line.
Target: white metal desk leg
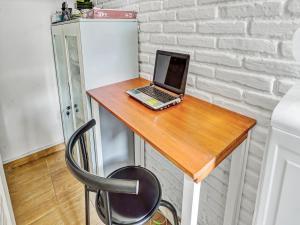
(97, 137)
(236, 182)
(139, 150)
(190, 201)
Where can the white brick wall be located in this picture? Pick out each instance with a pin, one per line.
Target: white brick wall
(218, 58)
(178, 27)
(222, 27)
(250, 45)
(276, 29)
(241, 59)
(197, 13)
(259, 9)
(294, 7)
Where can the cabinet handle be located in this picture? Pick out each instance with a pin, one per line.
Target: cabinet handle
(75, 105)
(68, 107)
(77, 110)
(68, 113)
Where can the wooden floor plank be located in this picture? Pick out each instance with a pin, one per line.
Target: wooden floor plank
(43, 192)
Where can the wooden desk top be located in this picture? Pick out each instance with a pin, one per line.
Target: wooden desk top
(195, 135)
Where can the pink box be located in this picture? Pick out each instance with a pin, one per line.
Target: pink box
(97, 13)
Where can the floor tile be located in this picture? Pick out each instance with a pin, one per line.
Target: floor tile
(65, 185)
(56, 161)
(29, 211)
(28, 172)
(24, 192)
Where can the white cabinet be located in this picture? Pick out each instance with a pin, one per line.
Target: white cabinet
(90, 53)
(279, 191)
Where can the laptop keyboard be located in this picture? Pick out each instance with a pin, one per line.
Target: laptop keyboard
(156, 93)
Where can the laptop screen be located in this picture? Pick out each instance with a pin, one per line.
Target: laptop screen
(171, 71)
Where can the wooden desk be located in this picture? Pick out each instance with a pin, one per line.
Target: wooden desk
(194, 135)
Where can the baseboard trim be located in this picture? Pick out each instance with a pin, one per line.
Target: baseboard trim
(34, 156)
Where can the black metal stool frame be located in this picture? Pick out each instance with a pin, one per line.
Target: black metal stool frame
(103, 186)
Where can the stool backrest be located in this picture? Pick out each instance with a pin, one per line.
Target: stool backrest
(94, 182)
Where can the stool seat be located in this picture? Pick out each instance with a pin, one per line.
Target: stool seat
(133, 209)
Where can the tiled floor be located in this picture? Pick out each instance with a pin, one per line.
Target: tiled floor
(43, 192)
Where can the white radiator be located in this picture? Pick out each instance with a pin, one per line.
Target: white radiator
(278, 202)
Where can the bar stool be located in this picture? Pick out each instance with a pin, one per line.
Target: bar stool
(128, 196)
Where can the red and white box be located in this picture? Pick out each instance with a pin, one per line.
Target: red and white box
(98, 13)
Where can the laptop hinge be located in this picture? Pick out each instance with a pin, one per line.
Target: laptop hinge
(180, 95)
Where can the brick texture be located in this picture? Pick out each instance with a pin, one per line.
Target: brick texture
(241, 59)
(265, 9)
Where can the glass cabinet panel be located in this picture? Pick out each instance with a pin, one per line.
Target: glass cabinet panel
(75, 80)
(76, 89)
(63, 86)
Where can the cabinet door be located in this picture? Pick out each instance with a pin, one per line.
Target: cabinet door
(75, 70)
(75, 80)
(77, 91)
(63, 81)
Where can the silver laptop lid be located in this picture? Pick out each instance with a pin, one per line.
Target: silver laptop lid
(171, 71)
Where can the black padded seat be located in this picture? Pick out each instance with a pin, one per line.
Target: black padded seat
(133, 209)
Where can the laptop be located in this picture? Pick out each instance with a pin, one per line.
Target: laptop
(169, 80)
